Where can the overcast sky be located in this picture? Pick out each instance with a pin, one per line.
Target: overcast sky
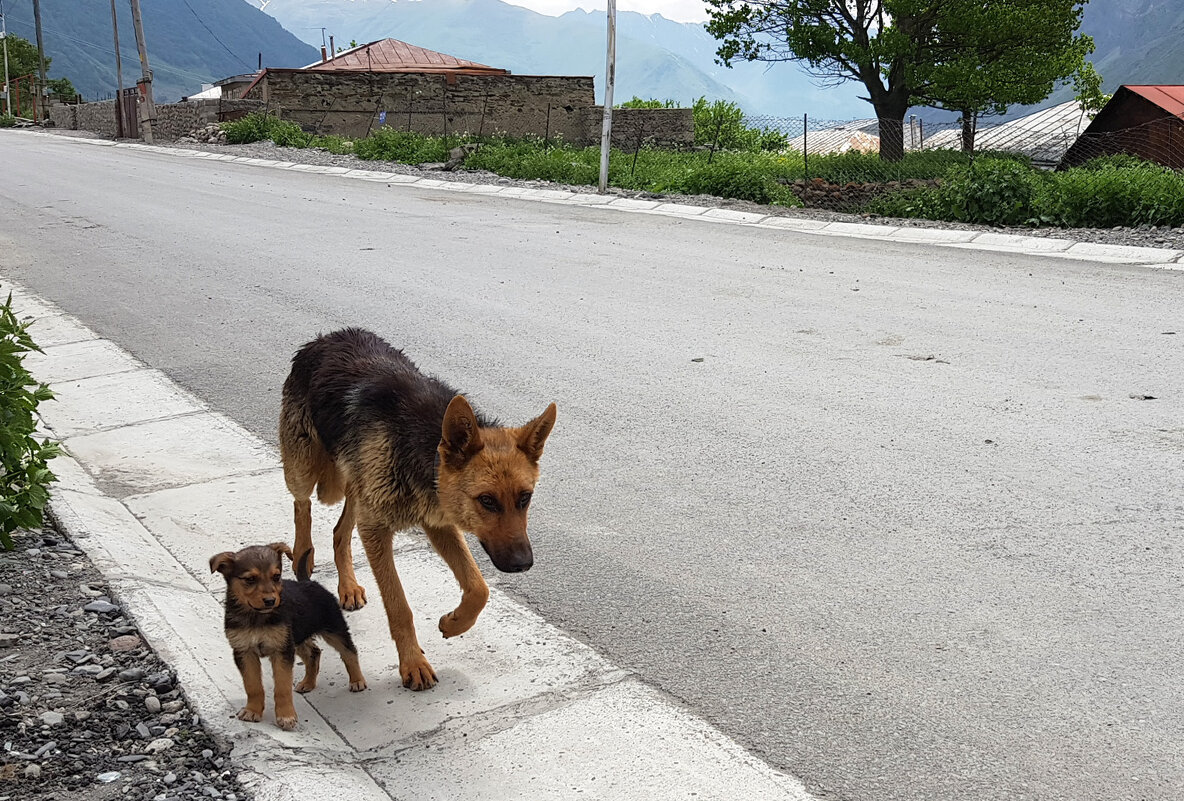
(678, 10)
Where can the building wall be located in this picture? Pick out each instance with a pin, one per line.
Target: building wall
(354, 104)
(633, 127)
(173, 120)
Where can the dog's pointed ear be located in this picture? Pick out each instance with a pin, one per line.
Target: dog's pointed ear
(533, 435)
(282, 549)
(222, 563)
(460, 437)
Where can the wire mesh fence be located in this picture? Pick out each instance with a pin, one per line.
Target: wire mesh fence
(1047, 168)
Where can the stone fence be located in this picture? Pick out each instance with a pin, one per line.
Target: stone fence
(173, 120)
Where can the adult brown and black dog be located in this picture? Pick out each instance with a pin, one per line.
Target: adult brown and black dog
(360, 422)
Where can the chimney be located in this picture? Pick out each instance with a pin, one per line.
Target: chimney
(324, 57)
(332, 49)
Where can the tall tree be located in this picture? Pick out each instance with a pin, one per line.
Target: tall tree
(22, 62)
(904, 52)
(988, 54)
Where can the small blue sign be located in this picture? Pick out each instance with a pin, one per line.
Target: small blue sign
(381, 117)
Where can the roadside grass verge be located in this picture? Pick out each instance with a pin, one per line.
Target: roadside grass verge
(992, 189)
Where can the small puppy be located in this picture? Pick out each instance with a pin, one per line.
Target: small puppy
(269, 616)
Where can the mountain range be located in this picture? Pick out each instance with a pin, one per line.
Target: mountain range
(191, 42)
(656, 58)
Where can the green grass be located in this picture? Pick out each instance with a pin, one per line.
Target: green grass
(995, 189)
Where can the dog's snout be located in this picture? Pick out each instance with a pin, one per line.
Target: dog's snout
(511, 560)
(269, 602)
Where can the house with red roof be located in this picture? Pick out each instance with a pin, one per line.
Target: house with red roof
(1141, 120)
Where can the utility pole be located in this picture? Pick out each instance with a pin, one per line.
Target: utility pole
(610, 77)
(118, 77)
(147, 107)
(4, 38)
(42, 100)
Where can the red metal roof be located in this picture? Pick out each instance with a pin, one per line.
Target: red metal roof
(391, 55)
(1169, 97)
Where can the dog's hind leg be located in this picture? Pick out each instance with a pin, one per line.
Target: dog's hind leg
(450, 543)
(414, 667)
(344, 645)
(349, 592)
(310, 655)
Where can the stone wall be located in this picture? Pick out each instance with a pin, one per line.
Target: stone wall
(354, 104)
(173, 120)
(641, 126)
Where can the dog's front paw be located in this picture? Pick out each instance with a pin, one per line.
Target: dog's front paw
(351, 596)
(306, 686)
(287, 722)
(417, 674)
(250, 715)
(357, 686)
(453, 624)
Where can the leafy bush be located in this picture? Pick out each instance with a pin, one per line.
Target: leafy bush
(7, 121)
(992, 191)
(721, 126)
(1105, 195)
(24, 488)
(288, 134)
(1115, 161)
(408, 147)
(255, 127)
(637, 102)
(334, 144)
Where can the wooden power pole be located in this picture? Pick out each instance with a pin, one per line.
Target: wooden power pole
(118, 77)
(147, 107)
(610, 78)
(42, 99)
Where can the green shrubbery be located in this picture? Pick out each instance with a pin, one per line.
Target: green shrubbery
(1113, 191)
(7, 121)
(749, 164)
(24, 485)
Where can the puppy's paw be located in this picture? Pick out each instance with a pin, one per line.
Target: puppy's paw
(417, 674)
(306, 686)
(452, 624)
(357, 686)
(250, 715)
(351, 596)
(286, 722)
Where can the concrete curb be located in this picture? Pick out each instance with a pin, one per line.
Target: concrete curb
(152, 483)
(1162, 258)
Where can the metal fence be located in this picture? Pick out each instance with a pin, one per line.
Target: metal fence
(837, 165)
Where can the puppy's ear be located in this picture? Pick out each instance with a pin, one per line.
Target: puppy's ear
(532, 435)
(222, 563)
(282, 549)
(460, 437)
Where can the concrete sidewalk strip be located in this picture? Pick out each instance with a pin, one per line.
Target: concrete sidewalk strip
(153, 483)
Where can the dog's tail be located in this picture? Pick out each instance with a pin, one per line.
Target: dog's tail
(301, 567)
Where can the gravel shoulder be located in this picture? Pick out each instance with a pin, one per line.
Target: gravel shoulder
(87, 709)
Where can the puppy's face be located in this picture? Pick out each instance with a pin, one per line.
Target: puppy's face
(254, 575)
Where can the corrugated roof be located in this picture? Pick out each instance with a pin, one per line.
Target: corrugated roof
(391, 55)
(1169, 97)
(1044, 136)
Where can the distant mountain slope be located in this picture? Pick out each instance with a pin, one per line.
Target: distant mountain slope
(656, 57)
(190, 42)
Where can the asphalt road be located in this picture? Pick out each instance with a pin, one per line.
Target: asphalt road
(886, 514)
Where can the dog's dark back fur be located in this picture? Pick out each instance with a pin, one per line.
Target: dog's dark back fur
(356, 386)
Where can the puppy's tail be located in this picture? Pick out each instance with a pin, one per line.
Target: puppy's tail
(301, 567)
